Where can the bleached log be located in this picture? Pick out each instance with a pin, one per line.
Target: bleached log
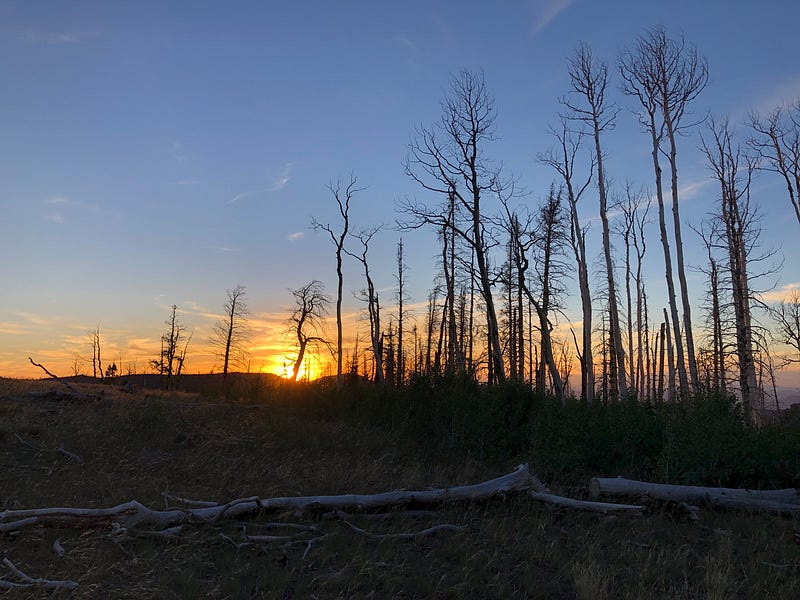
(26, 581)
(405, 535)
(601, 507)
(785, 501)
(133, 513)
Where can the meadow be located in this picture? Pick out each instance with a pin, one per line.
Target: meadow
(257, 436)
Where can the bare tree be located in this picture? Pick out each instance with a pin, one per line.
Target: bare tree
(401, 313)
(546, 236)
(563, 161)
(787, 317)
(307, 320)
(665, 75)
(373, 303)
(777, 142)
(230, 332)
(631, 229)
(97, 364)
(450, 159)
(342, 195)
(589, 78)
(172, 357)
(733, 170)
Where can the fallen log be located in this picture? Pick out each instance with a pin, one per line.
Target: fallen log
(601, 507)
(133, 513)
(785, 501)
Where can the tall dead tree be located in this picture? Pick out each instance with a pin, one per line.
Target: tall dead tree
(733, 171)
(171, 360)
(545, 236)
(589, 78)
(373, 302)
(562, 159)
(631, 229)
(342, 195)
(307, 320)
(665, 75)
(401, 313)
(776, 139)
(716, 372)
(97, 365)
(231, 331)
(450, 159)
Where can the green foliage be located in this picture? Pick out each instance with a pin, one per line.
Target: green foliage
(703, 440)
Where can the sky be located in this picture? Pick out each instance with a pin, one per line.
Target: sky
(159, 153)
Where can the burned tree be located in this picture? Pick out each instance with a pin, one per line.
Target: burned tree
(450, 159)
(231, 331)
(342, 195)
(174, 345)
(562, 159)
(665, 75)
(307, 320)
(373, 303)
(589, 78)
(777, 142)
(733, 171)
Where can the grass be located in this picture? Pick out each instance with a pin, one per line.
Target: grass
(308, 440)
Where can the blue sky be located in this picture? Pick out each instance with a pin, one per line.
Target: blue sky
(157, 153)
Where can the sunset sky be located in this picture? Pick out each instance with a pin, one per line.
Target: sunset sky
(159, 153)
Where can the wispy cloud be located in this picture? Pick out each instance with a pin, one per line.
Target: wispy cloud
(783, 293)
(32, 318)
(32, 36)
(283, 179)
(247, 194)
(782, 94)
(55, 217)
(57, 200)
(224, 249)
(545, 11)
(406, 43)
(187, 182)
(293, 237)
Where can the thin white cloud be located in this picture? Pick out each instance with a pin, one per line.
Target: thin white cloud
(247, 194)
(55, 217)
(188, 182)
(545, 11)
(293, 237)
(784, 93)
(56, 37)
(784, 293)
(224, 249)
(57, 200)
(283, 179)
(407, 43)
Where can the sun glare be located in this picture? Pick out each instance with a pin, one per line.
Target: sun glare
(310, 370)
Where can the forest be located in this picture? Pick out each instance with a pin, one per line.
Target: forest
(646, 450)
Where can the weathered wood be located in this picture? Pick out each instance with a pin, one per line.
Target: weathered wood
(601, 507)
(784, 501)
(133, 513)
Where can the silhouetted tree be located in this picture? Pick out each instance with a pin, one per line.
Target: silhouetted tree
(373, 303)
(231, 331)
(342, 196)
(307, 320)
(450, 159)
(562, 159)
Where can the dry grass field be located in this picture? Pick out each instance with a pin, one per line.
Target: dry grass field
(267, 441)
